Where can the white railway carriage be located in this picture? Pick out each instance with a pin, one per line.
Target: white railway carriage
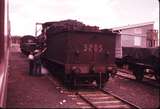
(4, 50)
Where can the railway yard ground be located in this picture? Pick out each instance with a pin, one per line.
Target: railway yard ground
(46, 91)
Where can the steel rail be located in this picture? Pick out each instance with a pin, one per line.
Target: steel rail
(87, 101)
(107, 93)
(104, 92)
(142, 82)
(121, 99)
(127, 72)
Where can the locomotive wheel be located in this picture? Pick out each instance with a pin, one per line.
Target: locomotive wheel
(102, 80)
(71, 81)
(157, 76)
(68, 81)
(139, 74)
(74, 82)
(107, 76)
(100, 84)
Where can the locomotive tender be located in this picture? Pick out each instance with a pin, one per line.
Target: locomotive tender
(80, 56)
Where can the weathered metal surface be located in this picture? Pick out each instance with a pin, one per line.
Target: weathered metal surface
(90, 48)
(81, 52)
(143, 55)
(142, 60)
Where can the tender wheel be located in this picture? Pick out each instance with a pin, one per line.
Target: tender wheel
(68, 81)
(107, 76)
(112, 74)
(100, 84)
(74, 82)
(71, 82)
(102, 79)
(139, 74)
(157, 76)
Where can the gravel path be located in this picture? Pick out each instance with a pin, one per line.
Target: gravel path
(26, 91)
(145, 97)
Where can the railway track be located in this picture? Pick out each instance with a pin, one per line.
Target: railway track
(94, 98)
(145, 76)
(145, 81)
(103, 99)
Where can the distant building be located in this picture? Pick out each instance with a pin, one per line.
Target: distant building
(15, 39)
(136, 35)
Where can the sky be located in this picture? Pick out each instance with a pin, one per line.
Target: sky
(24, 14)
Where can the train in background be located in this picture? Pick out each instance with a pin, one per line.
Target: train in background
(80, 54)
(4, 50)
(28, 43)
(141, 61)
(136, 46)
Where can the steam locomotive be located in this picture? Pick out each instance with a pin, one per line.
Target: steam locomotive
(28, 44)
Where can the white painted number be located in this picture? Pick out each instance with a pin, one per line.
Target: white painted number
(93, 48)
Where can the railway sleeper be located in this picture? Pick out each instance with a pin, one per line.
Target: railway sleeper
(75, 80)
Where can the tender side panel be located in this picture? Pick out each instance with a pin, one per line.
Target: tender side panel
(56, 48)
(91, 48)
(90, 51)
